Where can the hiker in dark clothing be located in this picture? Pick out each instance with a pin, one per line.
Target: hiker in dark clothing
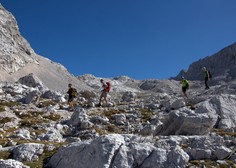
(71, 97)
(206, 77)
(185, 86)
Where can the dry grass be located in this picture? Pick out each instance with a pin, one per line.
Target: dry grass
(9, 104)
(111, 112)
(53, 117)
(146, 115)
(212, 164)
(5, 120)
(222, 132)
(4, 155)
(114, 129)
(46, 103)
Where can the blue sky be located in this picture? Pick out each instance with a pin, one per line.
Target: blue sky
(141, 39)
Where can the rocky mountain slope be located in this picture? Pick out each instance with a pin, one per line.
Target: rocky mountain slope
(18, 59)
(145, 124)
(222, 66)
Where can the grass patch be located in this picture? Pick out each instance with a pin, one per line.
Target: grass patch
(46, 103)
(30, 118)
(100, 131)
(5, 120)
(222, 132)
(114, 129)
(53, 117)
(4, 155)
(146, 114)
(111, 112)
(9, 104)
(212, 164)
(2, 108)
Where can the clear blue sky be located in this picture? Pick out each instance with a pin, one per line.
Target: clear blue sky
(141, 39)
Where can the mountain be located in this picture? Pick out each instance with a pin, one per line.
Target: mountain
(18, 59)
(222, 65)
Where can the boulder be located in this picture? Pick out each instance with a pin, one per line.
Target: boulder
(128, 96)
(32, 80)
(117, 151)
(187, 122)
(27, 152)
(224, 107)
(32, 97)
(10, 163)
(222, 152)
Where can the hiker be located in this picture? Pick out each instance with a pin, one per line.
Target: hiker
(105, 90)
(207, 77)
(72, 95)
(185, 86)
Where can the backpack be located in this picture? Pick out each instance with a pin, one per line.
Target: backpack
(210, 76)
(108, 88)
(74, 92)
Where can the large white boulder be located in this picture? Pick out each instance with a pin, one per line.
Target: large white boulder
(28, 152)
(186, 122)
(117, 151)
(10, 163)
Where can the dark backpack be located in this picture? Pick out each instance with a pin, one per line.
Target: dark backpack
(108, 88)
(210, 76)
(74, 92)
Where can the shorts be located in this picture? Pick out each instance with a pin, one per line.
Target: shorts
(184, 89)
(104, 94)
(70, 99)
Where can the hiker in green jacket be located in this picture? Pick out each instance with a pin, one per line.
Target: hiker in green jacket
(206, 77)
(185, 86)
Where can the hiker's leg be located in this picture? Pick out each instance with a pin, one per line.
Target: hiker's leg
(206, 85)
(105, 97)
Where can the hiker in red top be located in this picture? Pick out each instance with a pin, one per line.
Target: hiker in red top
(105, 90)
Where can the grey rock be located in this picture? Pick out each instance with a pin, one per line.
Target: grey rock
(128, 96)
(27, 152)
(187, 122)
(148, 129)
(22, 134)
(52, 135)
(32, 80)
(32, 97)
(78, 117)
(119, 119)
(221, 65)
(117, 151)
(222, 152)
(10, 163)
(199, 154)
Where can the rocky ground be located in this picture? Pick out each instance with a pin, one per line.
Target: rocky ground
(146, 124)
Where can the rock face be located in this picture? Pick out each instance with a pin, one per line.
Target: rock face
(117, 151)
(222, 66)
(18, 59)
(15, 51)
